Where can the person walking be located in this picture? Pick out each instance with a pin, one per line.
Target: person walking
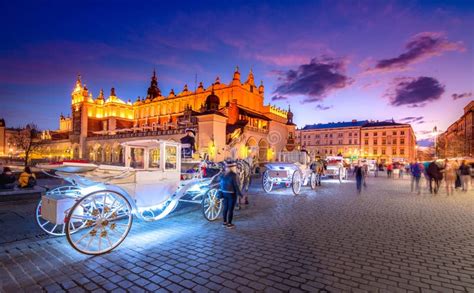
(389, 170)
(465, 173)
(449, 176)
(359, 176)
(416, 169)
(457, 182)
(435, 175)
(229, 188)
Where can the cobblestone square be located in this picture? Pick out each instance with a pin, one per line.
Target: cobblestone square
(332, 239)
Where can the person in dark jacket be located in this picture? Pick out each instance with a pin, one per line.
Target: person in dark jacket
(465, 174)
(435, 175)
(7, 179)
(359, 176)
(229, 188)
(190, 142)
(416, 169)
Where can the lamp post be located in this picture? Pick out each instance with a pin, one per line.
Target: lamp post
(435, 130)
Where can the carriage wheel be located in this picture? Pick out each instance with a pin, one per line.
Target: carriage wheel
(105, 218)
(296, 182)
(313, 180)
(161, 212)
(267, 183)
(211, 205)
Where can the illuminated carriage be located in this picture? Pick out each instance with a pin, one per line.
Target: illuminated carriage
(293, 169)
(95, 211)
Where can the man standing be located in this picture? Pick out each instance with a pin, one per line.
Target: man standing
(189, 143)
(435, 175)
(359, 176)
(416, 169)
(229, 187)
(465, 174)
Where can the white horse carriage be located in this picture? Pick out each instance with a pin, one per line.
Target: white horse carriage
(95, 211)
(293, 169)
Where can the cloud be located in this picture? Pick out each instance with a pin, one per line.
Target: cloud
(414, 92)
(420, 47)
(313, 80)
(279, 98)
(323, 108)
(412, 119)
(461, 96)
(425, 142)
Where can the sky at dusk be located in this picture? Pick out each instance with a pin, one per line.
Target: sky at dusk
(412, 61)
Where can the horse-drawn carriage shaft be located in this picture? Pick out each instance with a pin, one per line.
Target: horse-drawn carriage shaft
(96, 211)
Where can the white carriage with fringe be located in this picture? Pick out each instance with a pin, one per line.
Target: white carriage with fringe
(95, 210)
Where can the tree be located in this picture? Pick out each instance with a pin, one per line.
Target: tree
(27, 140)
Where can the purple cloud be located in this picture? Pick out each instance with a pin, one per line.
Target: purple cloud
(420, 47)
(461, 96)
(323, 108)
(412, 119)
(415, 92)
(279, 98)
(313, 80)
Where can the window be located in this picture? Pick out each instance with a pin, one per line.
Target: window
(330, 151)
(394, 141)
(154, 158)
(402, 141)
(402, 132)
(330, 142)
(355, 141)
(375, 151)
(350, 141)
(384, 141)
(355, 134)
(366, 141)
(402, 151)
(375, 141)
(394, 133)
(383, 151)
(339, 135)
(170, 157)
(350, 133)
(330, 135)
(375, 133)
(394, 151)
(137, 158)
(384, 133)
(339, 141)
(317, 142)
(366, 134)
(326, 135)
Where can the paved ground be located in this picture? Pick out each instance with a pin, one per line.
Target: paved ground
(385, 240)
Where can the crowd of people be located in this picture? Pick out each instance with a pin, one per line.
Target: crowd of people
(8, 180)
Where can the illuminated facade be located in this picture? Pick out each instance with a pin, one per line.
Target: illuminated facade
(230, 120)
(458, 139)
(7, 149)
(384, 141)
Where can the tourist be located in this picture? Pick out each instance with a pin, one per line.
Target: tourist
(229, 189)
(27, 179)
(400, 172)
(7, 179)
(389, 170)
(465, 173)
(359, 176)
(435, 175)
(449, 176)
(416, 169)
(457, 183)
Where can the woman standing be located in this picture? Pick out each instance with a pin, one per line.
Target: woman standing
(229, 189)
(449, 176)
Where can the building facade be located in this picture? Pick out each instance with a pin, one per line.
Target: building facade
(230, 120)
(458, 139)
(385, 141)
(7, 149)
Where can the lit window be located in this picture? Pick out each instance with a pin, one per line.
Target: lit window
(170, 157)
(154, 158)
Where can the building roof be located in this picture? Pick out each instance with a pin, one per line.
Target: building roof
(252, 114)
(383, 123)
(353, 123)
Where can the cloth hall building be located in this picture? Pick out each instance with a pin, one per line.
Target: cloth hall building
(230, 120)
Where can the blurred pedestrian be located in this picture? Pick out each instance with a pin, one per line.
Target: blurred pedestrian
(229, 188)
(434, 172)
(389, 170)
(449, 176)
(359, 176)
(416, 170)
(465, 173)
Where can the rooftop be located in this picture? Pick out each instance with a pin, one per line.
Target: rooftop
(353, 123)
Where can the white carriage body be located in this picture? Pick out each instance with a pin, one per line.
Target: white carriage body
(335, 166)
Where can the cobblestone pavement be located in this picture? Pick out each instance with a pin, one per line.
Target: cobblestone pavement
(385, 239)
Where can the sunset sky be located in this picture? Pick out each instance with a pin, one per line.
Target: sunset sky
(331, 60)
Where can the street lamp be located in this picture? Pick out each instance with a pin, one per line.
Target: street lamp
(435, 131)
